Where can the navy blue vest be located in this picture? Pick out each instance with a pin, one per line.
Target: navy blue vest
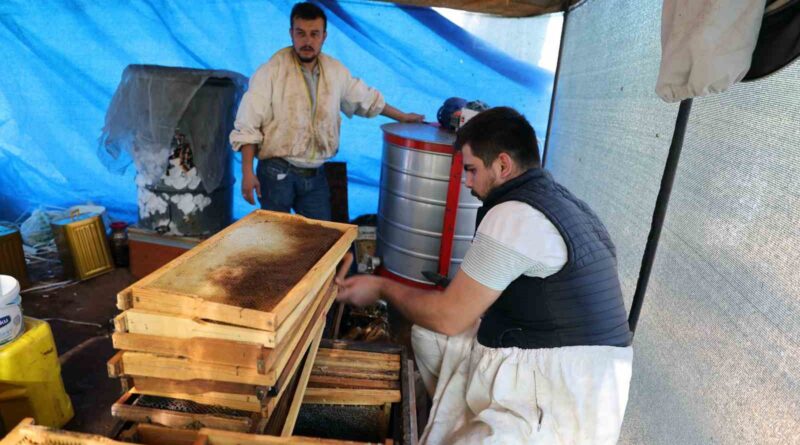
(579, 305)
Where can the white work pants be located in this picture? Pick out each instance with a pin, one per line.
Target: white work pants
(557, 396)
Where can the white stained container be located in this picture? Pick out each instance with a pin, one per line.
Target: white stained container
(10, 309)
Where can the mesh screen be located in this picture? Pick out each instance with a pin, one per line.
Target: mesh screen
(717, 350)
(187, 407)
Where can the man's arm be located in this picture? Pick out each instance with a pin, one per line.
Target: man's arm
(249, 179)
(448, 312)
(394, 113)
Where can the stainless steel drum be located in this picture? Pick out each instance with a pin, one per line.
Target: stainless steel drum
(415, 176)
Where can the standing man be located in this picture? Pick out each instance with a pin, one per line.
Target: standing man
(550, 360)
(290, 119)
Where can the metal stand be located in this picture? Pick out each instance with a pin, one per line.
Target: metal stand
(660, 211)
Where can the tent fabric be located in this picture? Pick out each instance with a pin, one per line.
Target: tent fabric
(706, 45)
(716, 349)
(64, 60)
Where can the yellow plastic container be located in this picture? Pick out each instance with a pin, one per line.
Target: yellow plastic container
(30, 379)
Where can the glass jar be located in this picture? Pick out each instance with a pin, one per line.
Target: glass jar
(119, 243)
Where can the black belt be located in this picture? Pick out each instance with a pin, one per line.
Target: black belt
(306, 172)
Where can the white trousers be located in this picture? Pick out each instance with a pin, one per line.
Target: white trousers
(562, 396)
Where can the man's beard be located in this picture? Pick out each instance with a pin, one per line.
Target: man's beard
(305, 59)
(492, 186)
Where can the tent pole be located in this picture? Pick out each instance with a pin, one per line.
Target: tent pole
(555, 84)
(660, 210)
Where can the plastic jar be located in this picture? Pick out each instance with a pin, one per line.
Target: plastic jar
(10, 309)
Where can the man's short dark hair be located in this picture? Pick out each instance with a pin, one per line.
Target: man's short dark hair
(497, 130)
(307, 11)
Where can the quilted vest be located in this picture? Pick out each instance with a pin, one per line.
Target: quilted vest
(582, 303)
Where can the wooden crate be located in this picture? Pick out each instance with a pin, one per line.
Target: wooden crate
(203, 282)
(202, 329)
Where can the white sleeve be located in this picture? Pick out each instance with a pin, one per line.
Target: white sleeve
(254, 109)
(514, 239)
(359, 98)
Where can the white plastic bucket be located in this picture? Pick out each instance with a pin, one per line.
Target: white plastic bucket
(10, 309)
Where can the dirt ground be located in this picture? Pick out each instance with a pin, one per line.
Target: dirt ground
(79, 316)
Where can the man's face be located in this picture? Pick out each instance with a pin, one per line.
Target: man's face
(481, 179)
(307, 38)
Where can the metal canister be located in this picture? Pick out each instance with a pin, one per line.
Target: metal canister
(418, 181)
(82, 246)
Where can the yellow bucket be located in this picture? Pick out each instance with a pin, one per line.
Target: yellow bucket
(30, 379)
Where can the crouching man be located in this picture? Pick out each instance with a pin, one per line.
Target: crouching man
(530, 341)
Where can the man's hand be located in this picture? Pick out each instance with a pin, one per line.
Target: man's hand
(250, 182)
(412, 118)
(344, 267)
(359, 290)
(399, 116)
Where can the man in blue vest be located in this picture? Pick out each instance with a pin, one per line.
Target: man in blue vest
(530, 341)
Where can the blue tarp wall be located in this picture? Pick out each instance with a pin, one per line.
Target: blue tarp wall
(63, 60)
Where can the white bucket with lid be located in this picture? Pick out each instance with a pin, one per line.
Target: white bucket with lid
(10, 309)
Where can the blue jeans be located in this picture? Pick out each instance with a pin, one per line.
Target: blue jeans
(284, 188)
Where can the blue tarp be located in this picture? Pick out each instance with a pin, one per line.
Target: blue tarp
(63, 60)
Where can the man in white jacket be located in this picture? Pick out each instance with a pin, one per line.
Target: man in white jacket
(289, 118)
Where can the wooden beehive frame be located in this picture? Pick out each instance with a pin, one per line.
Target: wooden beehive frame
(223, 368)
(143, 295)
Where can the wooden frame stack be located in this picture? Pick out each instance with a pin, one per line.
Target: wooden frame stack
(26, 433)
(183, 336)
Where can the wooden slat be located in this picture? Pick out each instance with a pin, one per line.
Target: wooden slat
(242, 402)
(191, 306)
(293, 363)
(197, 386)
(147, 434)
(277, 361)
(114, 365)
(349, 345)
(163, 367)
(216, 437)
(297, 397)
(137, 321)
(123, 409)
(338, 396)
(379, 364)
(208, 350)
(356, 373)
(334, 354)
(408, 406)
(324, 381)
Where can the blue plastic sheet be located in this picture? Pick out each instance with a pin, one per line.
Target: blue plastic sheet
(63, 61)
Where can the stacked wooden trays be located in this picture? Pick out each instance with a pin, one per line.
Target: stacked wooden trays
(27, 433)
(230, 323)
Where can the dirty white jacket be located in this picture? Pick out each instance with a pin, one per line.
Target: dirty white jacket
(276, 111)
